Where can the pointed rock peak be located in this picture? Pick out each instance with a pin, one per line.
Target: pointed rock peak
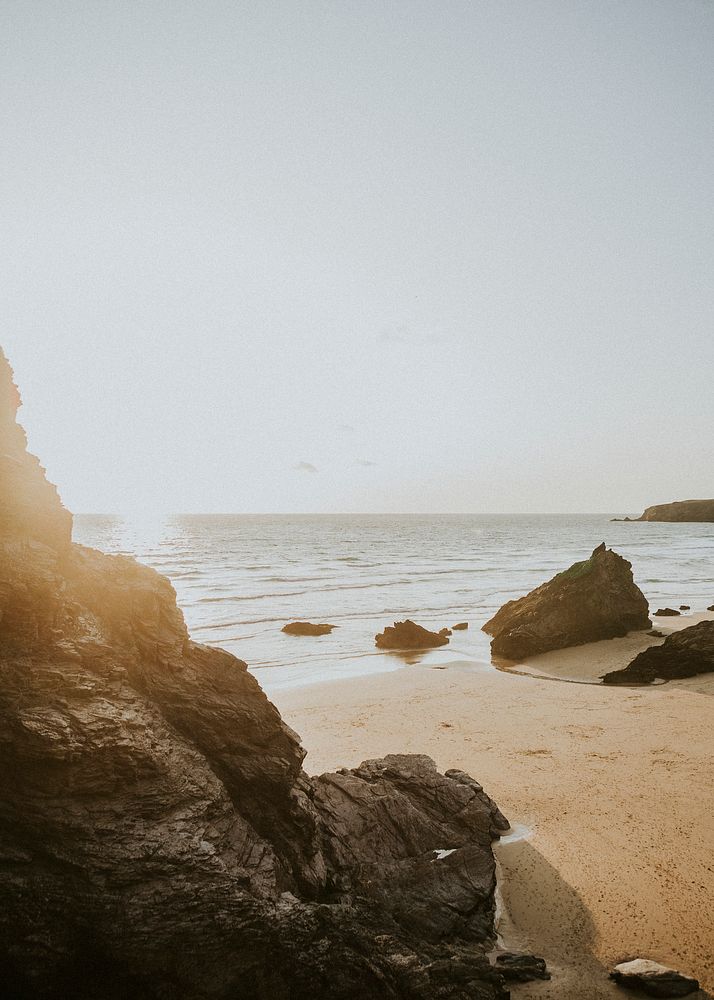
(592, 600)
(30, 507)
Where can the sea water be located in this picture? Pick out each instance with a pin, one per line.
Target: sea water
(240, 578)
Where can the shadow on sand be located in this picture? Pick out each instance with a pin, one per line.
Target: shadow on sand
(543, 914)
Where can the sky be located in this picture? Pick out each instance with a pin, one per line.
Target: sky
(361, 255)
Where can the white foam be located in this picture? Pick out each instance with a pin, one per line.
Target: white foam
(517, 832)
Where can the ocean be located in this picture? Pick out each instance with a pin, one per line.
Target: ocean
(240, 578)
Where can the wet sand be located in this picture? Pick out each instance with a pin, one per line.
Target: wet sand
(616, 785)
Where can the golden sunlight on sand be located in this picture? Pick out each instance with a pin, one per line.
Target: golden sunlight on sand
(612, 786)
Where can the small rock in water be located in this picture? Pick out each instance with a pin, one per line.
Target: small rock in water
(653, 979)
(521, 967)
(666, 612)
(460, 626)
(409, 635)
(684, 607)
(711, 607)
(656, 634)
(306, 628)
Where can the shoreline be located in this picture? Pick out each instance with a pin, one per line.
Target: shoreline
(614, 785)
(574, 664)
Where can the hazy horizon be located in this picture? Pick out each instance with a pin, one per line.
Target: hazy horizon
(362, 257)
(353, 513)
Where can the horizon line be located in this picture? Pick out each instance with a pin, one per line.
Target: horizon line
(351, 513)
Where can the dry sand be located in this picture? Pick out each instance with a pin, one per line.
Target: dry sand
(616, 785)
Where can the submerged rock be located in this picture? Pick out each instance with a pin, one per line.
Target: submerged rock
(521, 967)
(656, 634)
(666, 613)
(306, 628)
(682, 654)
(680, 510)
(409, 635)
(685, 607)
(460, 627)
(653, 979)
(594, 599)
(158, 836)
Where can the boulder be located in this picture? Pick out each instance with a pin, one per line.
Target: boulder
(386, 818)
(520, 967)
(306, 628)
(656, 634)
(680, 510)
(460, 627)
(409, 635)
(685, 607)
(711, 607)
(594, 599)
(158, 835)
(682, 654)
(666, 613)
(652, 979)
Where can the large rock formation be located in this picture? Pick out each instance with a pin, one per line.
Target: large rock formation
(682, 654)
(29, 506)
(158, 836)
(594, 599)
(680, 510)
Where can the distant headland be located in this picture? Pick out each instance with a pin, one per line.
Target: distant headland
(678, 510)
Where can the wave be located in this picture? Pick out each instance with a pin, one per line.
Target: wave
(239, 587)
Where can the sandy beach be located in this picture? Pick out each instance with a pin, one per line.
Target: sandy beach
(613, 786)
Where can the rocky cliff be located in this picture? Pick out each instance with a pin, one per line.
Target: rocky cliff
(593, 599)
(29, 506)
(158, 836)
(680, 510)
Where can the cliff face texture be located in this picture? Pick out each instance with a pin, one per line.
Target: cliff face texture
(594, 599)
(680, 510)
(158, 836)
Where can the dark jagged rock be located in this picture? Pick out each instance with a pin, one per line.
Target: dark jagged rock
(666, 613)
(306, 628)
(680, 510)
(652, 979)
(711, 607)
(520, 967)
(594, 599)
(387, 825)
(460, 626)
(685, 607)
(158, 836)
(682, 654)
(409, 635)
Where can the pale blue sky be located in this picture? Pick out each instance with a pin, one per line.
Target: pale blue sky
(361, 255)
